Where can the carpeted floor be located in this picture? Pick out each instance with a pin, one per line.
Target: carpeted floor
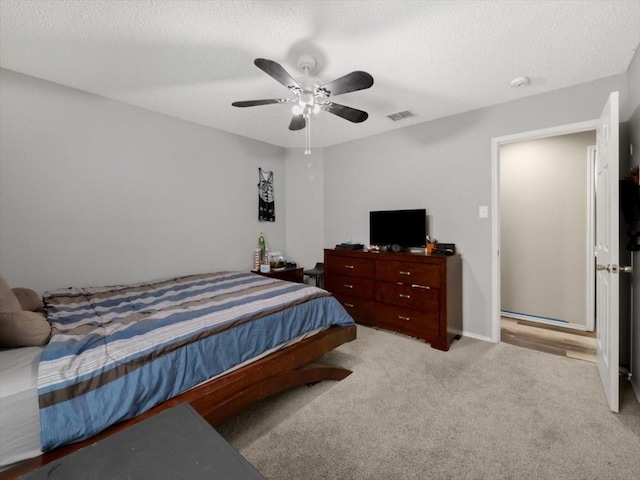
(479, 411)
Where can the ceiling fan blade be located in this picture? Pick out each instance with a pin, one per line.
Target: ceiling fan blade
(276, 71)
(297, 122)
(348, 113)
(255, 103)
(350, 82)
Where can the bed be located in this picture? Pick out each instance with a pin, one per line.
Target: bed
(218, 341)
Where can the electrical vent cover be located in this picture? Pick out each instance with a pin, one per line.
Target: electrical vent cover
(401, 115)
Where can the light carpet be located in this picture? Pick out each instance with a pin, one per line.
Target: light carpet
(479, 411)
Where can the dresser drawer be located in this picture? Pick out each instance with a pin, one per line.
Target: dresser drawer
(423, 274)
(360, 309)
(425, 299)
(406, 320)
(350, 286)
(352, 267)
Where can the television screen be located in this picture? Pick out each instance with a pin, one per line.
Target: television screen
(407, 228)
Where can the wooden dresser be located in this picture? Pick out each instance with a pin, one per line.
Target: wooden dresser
(415, 294)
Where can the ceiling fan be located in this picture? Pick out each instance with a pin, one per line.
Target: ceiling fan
(311, 96)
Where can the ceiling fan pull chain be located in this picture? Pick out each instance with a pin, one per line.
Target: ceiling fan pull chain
(307, 150)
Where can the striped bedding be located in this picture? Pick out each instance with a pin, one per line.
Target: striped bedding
(118, 351)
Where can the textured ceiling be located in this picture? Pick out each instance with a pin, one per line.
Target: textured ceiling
(436, 58)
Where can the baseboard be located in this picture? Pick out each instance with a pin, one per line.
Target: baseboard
(546, 321)
(476, 336)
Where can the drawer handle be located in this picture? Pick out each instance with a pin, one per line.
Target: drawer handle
(402, 272)
(350, 305)
(349, 266)
(402, 295)
(420, 286)
(346, 285)
(402, 317)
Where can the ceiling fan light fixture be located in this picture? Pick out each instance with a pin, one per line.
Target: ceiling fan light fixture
(297, 110)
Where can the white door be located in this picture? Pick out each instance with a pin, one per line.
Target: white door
(607, 284)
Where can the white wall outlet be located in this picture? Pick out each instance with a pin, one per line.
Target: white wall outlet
(483, 211)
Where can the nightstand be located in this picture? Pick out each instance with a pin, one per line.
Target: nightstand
(288, 274)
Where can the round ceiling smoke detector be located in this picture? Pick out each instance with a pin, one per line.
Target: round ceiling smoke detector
(519, 82)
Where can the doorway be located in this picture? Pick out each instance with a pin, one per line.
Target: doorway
(546, 230)
(497, 143)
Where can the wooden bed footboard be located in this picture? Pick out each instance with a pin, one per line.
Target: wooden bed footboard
(221, 398)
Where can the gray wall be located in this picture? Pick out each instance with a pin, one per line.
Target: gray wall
(94, 191)
(305, 206)
(445, 167)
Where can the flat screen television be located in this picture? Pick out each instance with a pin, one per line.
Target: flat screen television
(406, 228)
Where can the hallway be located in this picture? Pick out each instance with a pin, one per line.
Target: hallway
(549, 338)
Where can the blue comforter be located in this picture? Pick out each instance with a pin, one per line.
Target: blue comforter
(118, 351)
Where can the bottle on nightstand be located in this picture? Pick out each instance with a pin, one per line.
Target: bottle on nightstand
(265, 267)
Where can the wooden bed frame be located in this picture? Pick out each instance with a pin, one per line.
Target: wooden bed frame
(221, 398)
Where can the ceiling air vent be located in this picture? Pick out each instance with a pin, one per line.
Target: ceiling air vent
(401, 115)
